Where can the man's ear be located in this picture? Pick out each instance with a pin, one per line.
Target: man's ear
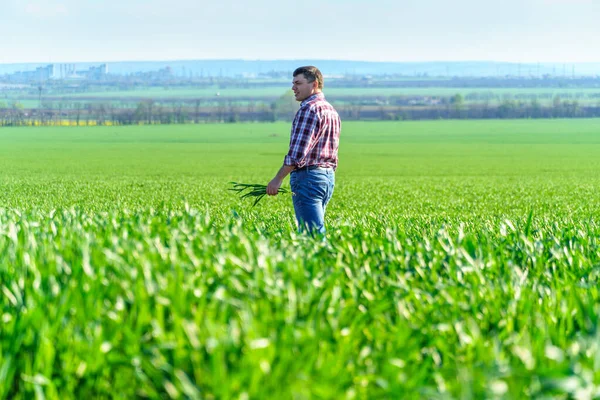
(315, 84)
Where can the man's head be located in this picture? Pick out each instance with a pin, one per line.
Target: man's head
(307, 81)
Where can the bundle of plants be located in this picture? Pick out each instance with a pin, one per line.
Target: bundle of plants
(253, 190)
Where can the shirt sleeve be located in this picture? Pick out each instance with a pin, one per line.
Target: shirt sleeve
(303, 130)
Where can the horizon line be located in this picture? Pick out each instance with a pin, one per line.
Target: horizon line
(302, 60)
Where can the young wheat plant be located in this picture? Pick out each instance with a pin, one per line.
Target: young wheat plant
(255, 190)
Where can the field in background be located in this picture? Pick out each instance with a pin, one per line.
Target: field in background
(268, 94)
(462, 260)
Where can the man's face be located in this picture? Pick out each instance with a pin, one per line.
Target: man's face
(302, 88)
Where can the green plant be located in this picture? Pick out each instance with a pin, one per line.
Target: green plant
(255, 190)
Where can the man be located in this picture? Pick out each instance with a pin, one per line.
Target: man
(313, 154)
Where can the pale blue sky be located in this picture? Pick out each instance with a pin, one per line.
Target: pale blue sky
(375, 30)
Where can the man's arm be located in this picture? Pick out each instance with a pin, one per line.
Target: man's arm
(304, 129)
(275, 184)
(304, 125)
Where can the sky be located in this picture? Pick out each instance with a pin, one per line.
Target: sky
(54, 31)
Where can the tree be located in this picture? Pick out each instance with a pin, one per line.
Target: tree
(77, 107)
(285, 106)
(197, 111)
(557, 108)
(458, 104)
(507, 108)
(17, 113)
(233, 115)
(572, 109)
(3, 112)
(536, 108)
(139, 112)
(150, 110)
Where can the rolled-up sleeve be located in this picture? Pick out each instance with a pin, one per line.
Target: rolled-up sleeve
(303, 130)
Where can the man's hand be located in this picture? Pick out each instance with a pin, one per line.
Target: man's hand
(273, 186)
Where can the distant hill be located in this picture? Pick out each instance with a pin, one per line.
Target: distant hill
(233, 68)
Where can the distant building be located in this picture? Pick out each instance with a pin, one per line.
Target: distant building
(95, 73)
(160, 75)
(59, 71)
(40, 74)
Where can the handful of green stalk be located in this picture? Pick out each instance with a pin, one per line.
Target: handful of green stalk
(253, 190)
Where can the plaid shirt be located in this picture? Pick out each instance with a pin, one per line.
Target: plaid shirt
(315, 134)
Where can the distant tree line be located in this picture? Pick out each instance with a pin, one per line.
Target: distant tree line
(282, 109)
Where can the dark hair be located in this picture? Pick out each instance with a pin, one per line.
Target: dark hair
(311, 74)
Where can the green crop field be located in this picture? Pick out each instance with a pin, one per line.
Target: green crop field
(462, 260)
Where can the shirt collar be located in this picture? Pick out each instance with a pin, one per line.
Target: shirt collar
(315, 96)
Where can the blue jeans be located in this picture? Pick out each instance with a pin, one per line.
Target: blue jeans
(312, 191)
